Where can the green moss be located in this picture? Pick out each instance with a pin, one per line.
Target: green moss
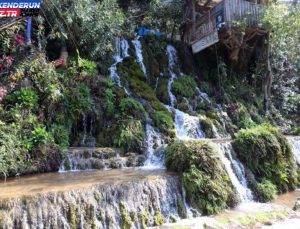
(162, 90)
(158, 218)
(97, 196)
(207, 124)
(172, 219)
(206, 182)
(72, 217)
(133, 108)
(181, 209)
(266, 152)
(144, 216)
(134, 217)
(164, 119)
(184, 86)
(126, 220)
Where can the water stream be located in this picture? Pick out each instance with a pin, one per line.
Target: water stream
(236, 172)
(295, 144)
(121, 51)
(139, 54)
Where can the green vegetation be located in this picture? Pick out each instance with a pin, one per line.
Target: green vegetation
(266, 152)
(206, 182)
(126, 220)
(184, 86)
(158, 218)
(131, 135)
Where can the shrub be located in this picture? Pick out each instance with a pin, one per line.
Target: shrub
(60, 135)
(40, 135)
(131, 135)
(109, 99)
(184, 86)
(266, 190)
(133, 108)
(266, 152)
(206, 182)
(26, 98)
(12, 154)
(79, 100)
(87, 65)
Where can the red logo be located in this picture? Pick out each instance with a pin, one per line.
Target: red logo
(8, 12)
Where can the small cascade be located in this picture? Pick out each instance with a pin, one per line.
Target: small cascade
(202, 95)
(154, 144)
(295, 143)
(236, 171)
(187, 126)
(84, 124)
(77, 159)
(223, 117)
(139, 53)
(121, 51)
(172, 57)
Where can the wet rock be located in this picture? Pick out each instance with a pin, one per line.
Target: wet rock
(297, 205)
(114, 205)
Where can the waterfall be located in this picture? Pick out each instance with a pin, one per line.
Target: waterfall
(236, 171)
(154, 144)
(187, 126)
(295, 144)
(85, 158)
(139, 53)
(190, 107)
(84, 124)
(121, 51)
(172, 57)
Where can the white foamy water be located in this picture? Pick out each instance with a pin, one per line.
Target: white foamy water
(139, 54)
(235, 171)
(121, 51)
(295, 144)
(154, 144)
(187, 126)
(172, 57)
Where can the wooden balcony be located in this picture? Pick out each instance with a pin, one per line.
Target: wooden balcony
(202, 29)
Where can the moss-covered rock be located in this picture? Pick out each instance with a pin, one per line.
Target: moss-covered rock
(162, 90)
(266, 191)
(158, 218)
(267, 154)
(206, 182)
(207, 125)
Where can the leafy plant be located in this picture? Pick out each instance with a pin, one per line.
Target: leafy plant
(26, 98)
(184, 86)
(133, 108)
(266, 190)
(164, 120)
(131, 135)
(60, 135)
(40, 136)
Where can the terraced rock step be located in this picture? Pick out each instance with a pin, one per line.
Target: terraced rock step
(95, 199)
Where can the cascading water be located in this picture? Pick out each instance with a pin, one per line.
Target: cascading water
(154, 143)
(236, 171)
(139, 53)
(187, 126)
(121, 51)
(295, 143)
(172, 57)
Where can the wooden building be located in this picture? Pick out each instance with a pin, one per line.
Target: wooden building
(205, 18)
